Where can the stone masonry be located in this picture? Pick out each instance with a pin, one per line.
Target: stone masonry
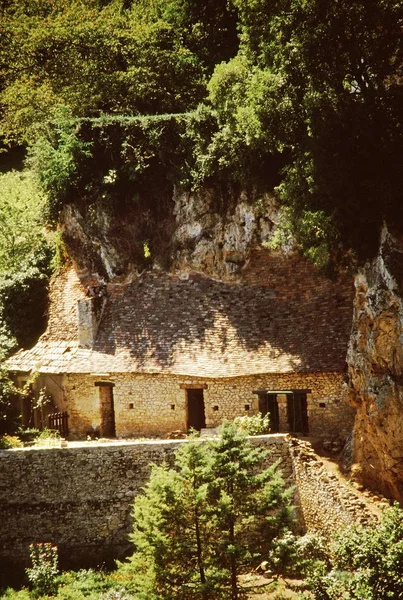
(80, 498)
(282, 328)
(157, 404)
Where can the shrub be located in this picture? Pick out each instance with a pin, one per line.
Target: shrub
(88, 584)
(30, 434)
(10, 441)
(43, 573)
(253, 425)
(367, 563)
(296, 556)
(48, 437)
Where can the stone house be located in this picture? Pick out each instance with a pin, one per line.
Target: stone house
(169, 352)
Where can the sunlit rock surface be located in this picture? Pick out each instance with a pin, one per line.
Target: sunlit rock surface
(375, 359)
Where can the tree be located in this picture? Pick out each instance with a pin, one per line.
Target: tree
(201, 524)
(91, 58)
(323, 83)
(248, 505)
(208, 27)
(171, 530)
(21, 219)
(26, 254)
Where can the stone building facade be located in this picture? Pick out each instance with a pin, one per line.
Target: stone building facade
(171, 352)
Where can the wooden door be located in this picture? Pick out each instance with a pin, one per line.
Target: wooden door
(297, 413)
(107, 408)
(196, 418)
(268, 405)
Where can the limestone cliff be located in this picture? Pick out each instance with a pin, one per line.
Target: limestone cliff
(375, 359)
(183, 232)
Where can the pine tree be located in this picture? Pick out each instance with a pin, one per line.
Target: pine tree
(249, 505)
(201, 524)
(170, 529)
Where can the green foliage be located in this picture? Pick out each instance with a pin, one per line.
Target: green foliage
(25, 260)
(89, 584)
(322, 85)
(54, 158)
(367, 563)
(21, 221)
(7, 392)
(23, 298)
(10, 441)
(10, 594)
(170, 522)
(218, 507)
(107, 57)
(249, 507)
(253, 425)
(225, 154)
(28, 434)
(208, 27)
(42, 575)
(295, 556)
(47, 438)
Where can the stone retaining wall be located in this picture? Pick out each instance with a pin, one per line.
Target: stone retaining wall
(327, 502)
(80, 497)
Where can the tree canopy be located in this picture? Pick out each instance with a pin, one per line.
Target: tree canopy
(100, 57)
(323, 81)
(301, 95)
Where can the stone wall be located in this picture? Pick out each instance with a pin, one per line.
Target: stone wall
(80, 497)
(327, 502)
(157, 404)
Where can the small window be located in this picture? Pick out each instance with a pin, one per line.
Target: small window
(131, 406)
(322, 405)
(247, 407)
(172, 406)
(215, 408)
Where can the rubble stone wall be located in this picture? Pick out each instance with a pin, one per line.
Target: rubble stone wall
(80, 498)
(327, 502)
(157, 404)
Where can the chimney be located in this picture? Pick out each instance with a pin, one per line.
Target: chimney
(89, 312)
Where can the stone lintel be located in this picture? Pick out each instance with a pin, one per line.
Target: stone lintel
(193, 386)
(268, 391)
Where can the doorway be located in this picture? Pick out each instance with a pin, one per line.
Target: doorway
(297, 413)
(196, 417)
(268, 405)
(107, 409)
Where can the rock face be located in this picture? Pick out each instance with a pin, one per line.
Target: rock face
(215, 239)
(188, 232)
(375, 359)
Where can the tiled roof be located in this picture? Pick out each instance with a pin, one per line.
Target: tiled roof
(281, 317)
